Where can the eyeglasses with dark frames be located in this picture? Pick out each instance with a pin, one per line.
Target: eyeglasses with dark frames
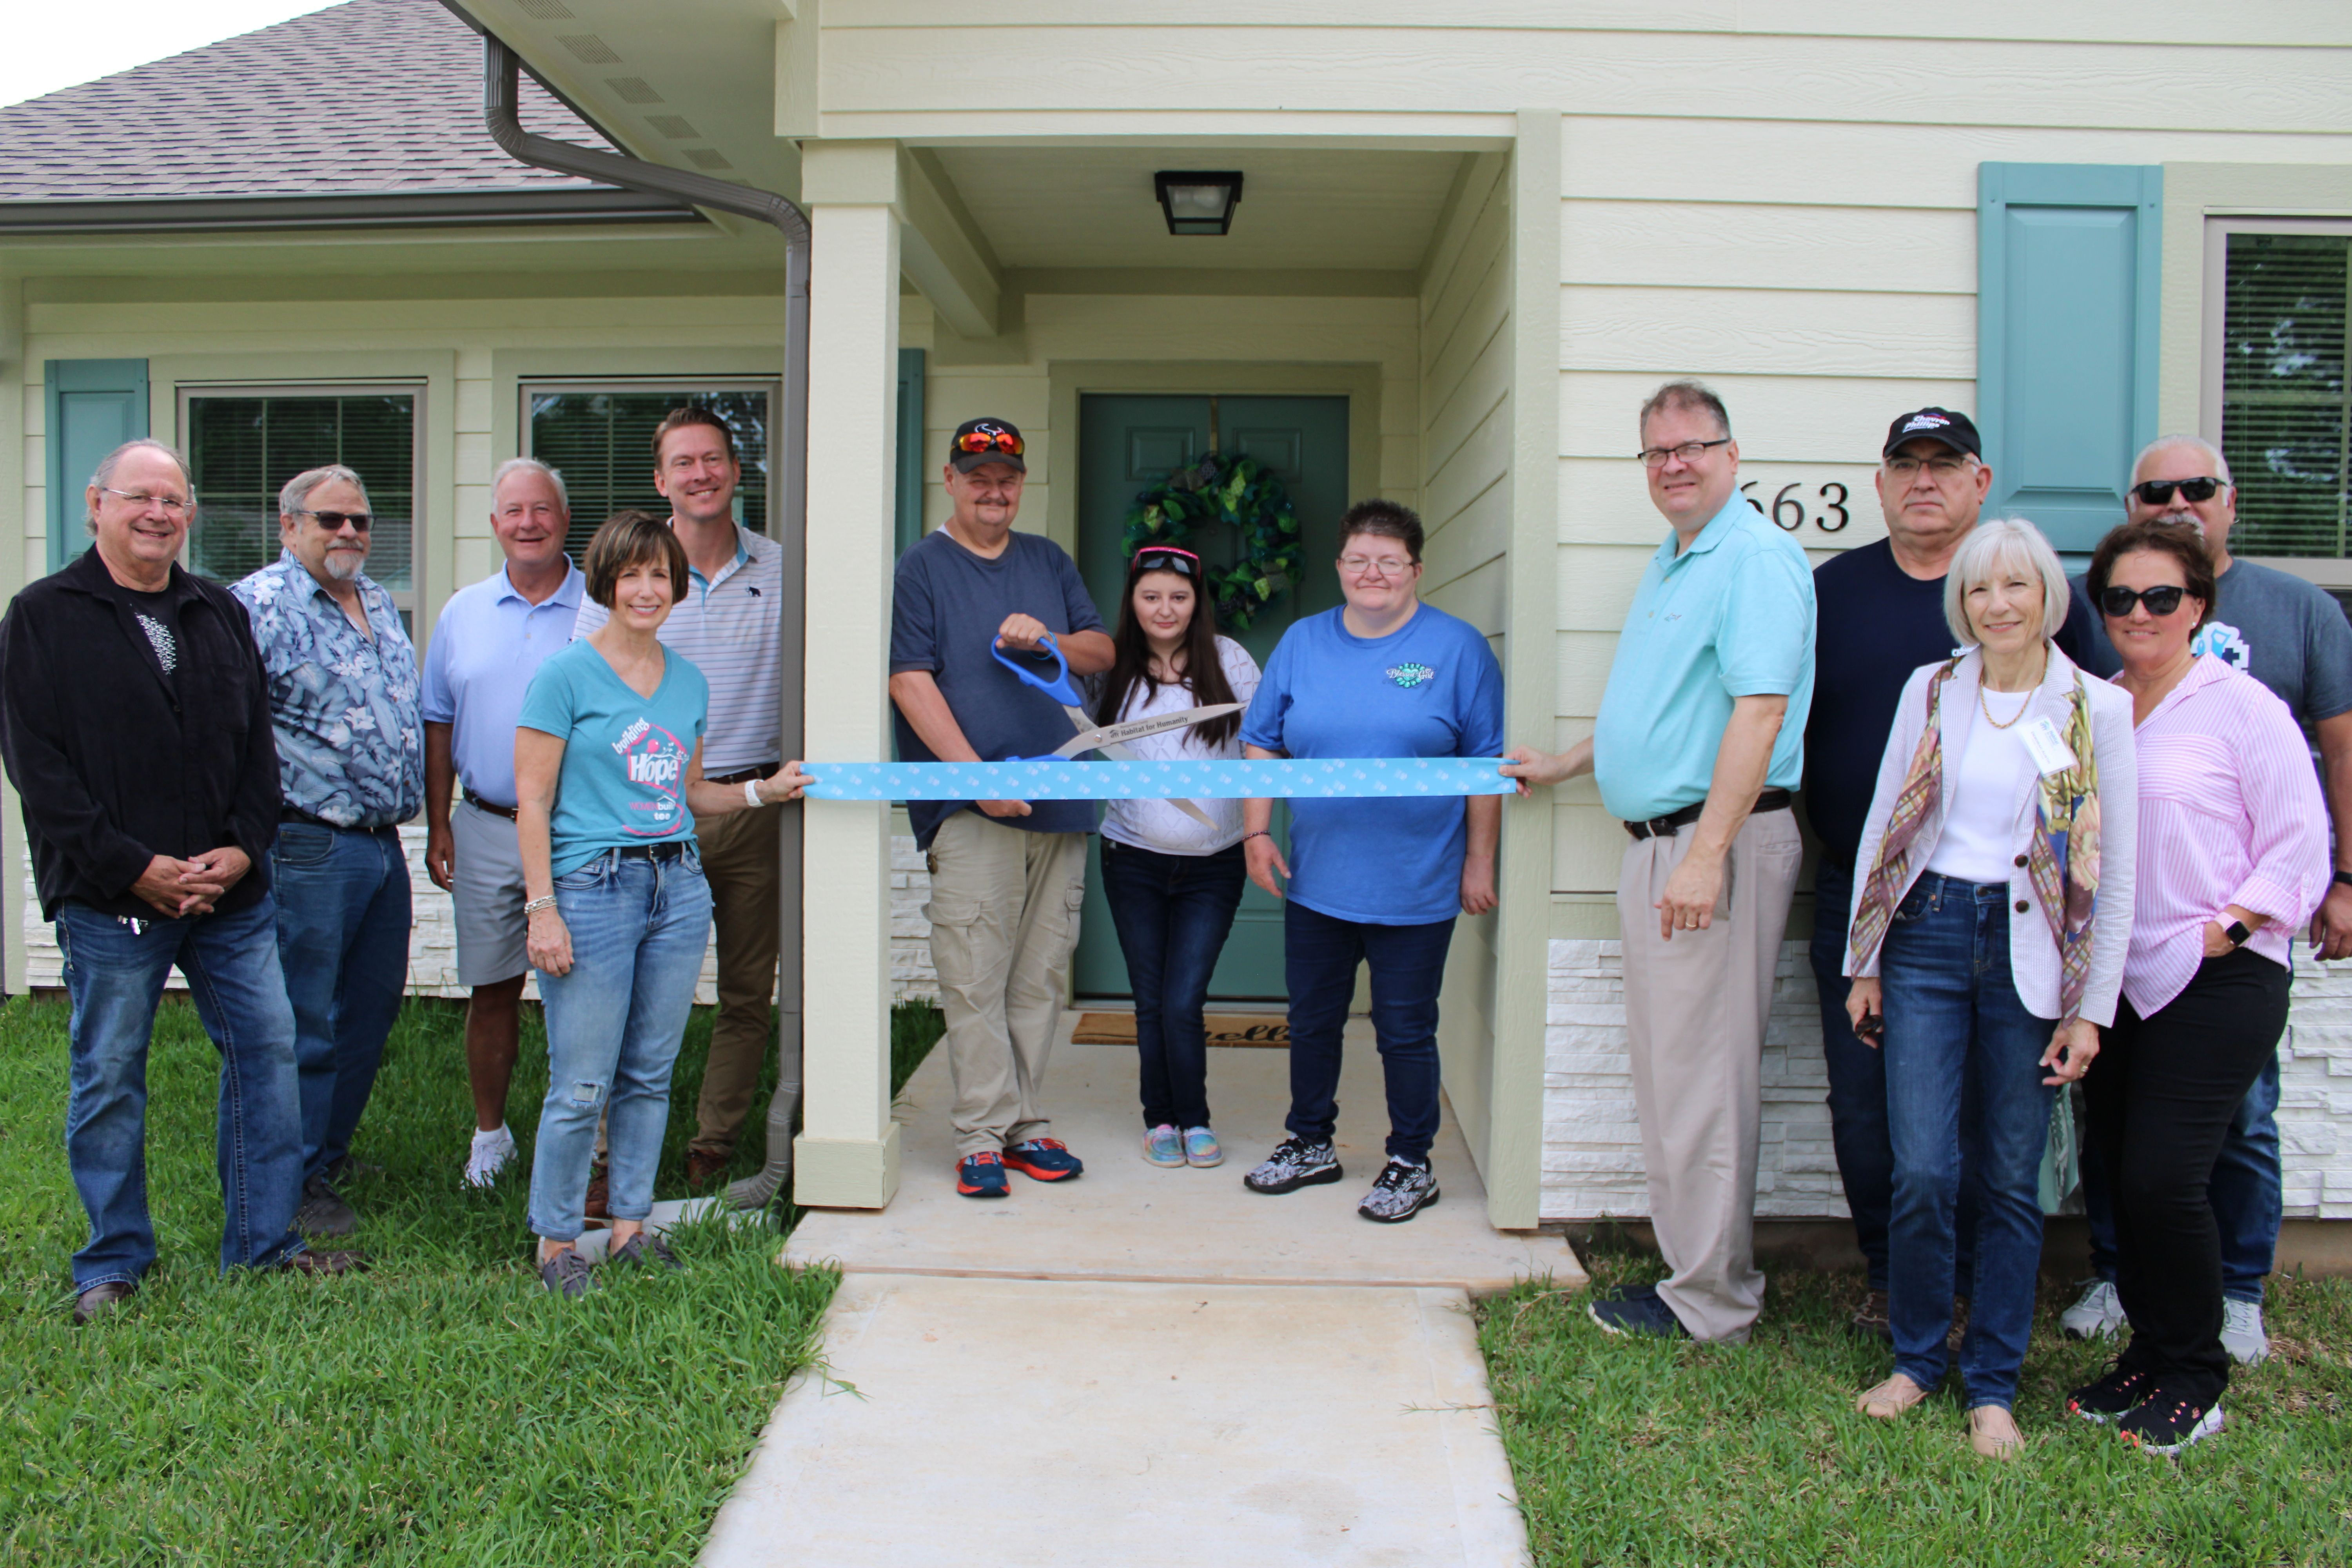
(2117, 600)
(1689, 452)
(2159, 492)
(332, 522)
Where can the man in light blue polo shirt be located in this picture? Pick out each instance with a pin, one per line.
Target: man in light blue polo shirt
(1697, 748)
(490, 641)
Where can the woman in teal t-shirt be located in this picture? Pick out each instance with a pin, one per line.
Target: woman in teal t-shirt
(608, 773)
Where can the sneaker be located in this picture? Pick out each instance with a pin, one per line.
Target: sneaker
(1163, 1145)
(2097, 1312)
(646, 1250)
(1638, 1310)
(1045, 1159)
(2242, 1332)
(2166, 1424)
(567, 1274)
(2111, 1398)
(1871, 1319)
(488, 1156)
(1401, 1191)
(1294, 1163)
(1202, 1148)
(982, 1175)
(323, 1211)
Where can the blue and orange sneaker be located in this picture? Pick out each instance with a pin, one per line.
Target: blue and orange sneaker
(982, 1176)
(1045, 1159)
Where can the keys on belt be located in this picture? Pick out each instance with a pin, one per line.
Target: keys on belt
(1667, 826)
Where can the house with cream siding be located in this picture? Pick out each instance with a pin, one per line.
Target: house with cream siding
(1470, 239)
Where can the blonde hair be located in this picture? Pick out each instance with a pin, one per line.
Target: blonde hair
(1994, 544)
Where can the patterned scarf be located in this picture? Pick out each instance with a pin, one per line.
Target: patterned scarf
(2064, 861)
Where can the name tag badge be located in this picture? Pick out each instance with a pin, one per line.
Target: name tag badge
(2048, 751)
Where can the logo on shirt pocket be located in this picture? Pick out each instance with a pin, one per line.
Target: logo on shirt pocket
(1410, 675)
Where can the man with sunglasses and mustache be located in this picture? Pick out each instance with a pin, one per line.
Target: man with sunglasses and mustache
(344, 706)
(2291, 636)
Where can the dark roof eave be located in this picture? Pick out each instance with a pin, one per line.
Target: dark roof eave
(424, 209)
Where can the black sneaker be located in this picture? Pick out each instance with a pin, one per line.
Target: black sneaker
(567, 1274)
(1401, 1192)
(323, 1211)
(2165, 1423)
(1638, 1310)
(646, 1250)
(1294, 1163)
(2110, 1398)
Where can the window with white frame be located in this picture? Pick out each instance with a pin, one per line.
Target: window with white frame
(2286, 414)
(244, 442)
(599, 435)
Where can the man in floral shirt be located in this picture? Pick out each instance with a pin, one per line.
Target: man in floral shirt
(351, 756)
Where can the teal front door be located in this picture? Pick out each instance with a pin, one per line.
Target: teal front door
(1126, 443)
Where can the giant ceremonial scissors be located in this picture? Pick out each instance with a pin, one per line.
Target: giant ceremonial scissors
(1108, 739)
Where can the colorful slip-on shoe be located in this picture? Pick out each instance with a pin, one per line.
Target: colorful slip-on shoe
(2166, 1424)
(1401, 1191)
(2110, 1398)
(982, 1175)
(1044, 1159)
(1202, 1148)
(1163, 1145)
(1294, 1163)
(1637, 1311)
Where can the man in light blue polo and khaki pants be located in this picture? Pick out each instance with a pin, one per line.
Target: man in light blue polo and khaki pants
(1697, 749)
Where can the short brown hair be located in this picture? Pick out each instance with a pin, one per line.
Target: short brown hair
(1690, 396)
(2181, 540)
(691, 414)
(1383, 518)
(632, 539)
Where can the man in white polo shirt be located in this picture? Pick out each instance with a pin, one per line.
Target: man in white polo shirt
(730, 626)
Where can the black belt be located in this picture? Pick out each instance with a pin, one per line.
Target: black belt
(766, 770)
(479, 804)
(1665, 827)
(670, 851)
(295, 814)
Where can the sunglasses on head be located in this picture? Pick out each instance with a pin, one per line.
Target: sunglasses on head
(2159, 492)
(1167, 558)
(2117, 600)
(332, 522)
(990, 438)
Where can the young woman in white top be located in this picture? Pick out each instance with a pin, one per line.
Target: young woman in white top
(1173, 884)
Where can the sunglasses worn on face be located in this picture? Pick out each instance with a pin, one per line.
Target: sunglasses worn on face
(985, 439)
(1183, 563)
(2117, 600)
(332, 522)
(2159, 492)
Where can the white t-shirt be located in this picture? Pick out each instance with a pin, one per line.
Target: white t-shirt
(1156, 824)
(1979, 842)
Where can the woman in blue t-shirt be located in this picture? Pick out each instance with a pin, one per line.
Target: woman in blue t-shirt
(1378, 881)
(608, 774)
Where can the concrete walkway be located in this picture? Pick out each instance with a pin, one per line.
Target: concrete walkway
(1146, 1367)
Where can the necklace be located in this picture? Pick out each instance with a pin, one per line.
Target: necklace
(2026, 698)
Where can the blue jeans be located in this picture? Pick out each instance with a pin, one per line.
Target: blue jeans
(639, 926)
(115, 976)
(1953, 1019)
(1319, 961)
(342, 936)
(1857, 1096)
(1173, 913)
(2247, 1192)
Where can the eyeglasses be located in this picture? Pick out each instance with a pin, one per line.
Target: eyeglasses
(2117, 600)
(1689, 452)
(2159, 492)
(1167, 558)
(1943, 467)
(1364, 566)
(174, 506)
(990, 438)
(332, 522)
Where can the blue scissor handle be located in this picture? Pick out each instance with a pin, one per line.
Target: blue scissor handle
(1059, 689)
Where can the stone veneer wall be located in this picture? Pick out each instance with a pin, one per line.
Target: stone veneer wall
(912, 978)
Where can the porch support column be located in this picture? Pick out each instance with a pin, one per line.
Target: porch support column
(847, 1154)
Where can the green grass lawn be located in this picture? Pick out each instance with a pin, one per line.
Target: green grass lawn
(1650, 1453)
(440, 1408)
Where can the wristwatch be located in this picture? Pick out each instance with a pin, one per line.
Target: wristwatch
(2345, 878)
(2237, 932)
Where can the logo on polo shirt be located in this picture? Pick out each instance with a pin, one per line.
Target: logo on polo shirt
(1410, 675)
(1925, 422)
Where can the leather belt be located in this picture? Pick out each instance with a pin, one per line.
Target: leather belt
(1667, 825)
(479, 804)
(296, 814)
(744, 775)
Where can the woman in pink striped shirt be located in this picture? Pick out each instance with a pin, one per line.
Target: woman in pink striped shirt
(2232, 859)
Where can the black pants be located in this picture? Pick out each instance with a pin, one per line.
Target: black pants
(2161, 1096)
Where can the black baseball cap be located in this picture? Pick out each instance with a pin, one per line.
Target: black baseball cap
(979, 442)
(1955, 430)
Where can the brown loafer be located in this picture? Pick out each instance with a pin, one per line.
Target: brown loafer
(1993, 1434)
(353, 1262)
(599, 1201)
(704, 1166)
(1890, 1398)
(100, 1300)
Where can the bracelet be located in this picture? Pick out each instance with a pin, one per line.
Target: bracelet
(1261, 833)
(2343, 876)
(535, 905)
(751, 792)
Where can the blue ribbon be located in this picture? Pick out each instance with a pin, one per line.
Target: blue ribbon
(1290, 778)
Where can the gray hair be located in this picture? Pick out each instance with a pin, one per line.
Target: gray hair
(1685, 394)
(2197, 444)
(1994, 544)
(529, 466)
(103, 477)
(298, 490)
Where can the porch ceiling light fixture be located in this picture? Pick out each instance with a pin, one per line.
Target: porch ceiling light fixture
(1198, 202)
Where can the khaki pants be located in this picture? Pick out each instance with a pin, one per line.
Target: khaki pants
(1694, 1013)
(738, 860)
(1004, 921)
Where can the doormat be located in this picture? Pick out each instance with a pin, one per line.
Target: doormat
(1224, 1029)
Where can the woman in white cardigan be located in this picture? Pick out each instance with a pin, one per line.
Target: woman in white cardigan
(1990, 920)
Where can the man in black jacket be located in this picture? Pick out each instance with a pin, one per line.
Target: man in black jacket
(135, 723)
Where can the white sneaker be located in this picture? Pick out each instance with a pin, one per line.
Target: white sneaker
(488, 1156)
(2097, 1312)
(2242, 1332)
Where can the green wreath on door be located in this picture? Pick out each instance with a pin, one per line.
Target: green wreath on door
(1238, 492)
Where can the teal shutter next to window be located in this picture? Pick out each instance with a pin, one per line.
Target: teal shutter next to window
(94, 407)
(2068, 256)
(910, 448)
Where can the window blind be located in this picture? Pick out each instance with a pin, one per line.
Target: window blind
(244, 446)
(2286, 422)
(600, 441)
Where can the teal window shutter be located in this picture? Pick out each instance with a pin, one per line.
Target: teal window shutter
(93, 407)
(2068, 256)
(910, 448)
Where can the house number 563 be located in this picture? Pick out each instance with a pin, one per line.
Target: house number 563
(1787, 508)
